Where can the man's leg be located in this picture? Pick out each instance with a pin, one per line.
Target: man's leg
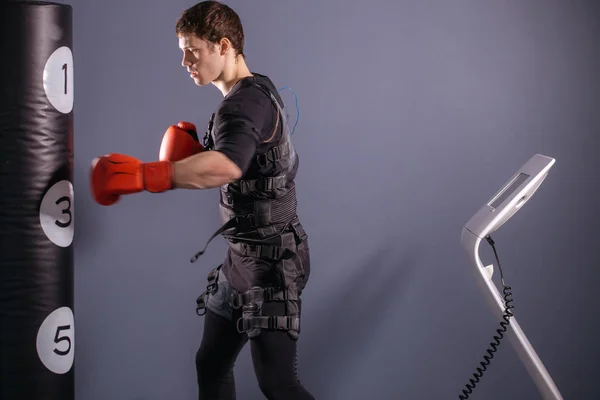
(275, 360)
(274, 351)
(220, 346)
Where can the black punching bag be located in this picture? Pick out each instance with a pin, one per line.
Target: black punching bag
(36, 201)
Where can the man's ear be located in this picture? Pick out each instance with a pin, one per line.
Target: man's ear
(225, 45)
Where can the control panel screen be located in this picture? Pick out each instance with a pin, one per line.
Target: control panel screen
(508, 190)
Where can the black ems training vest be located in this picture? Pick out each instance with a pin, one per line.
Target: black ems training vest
(258, 209)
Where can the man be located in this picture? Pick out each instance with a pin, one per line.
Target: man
(247, 153)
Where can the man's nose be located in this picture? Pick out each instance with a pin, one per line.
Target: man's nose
(185, 61)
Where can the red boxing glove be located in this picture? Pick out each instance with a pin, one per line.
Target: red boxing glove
(180, 141)
(114, 175)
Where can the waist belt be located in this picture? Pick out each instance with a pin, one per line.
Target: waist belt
(259, 215)
(289, 241)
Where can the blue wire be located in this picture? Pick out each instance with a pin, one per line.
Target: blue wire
(297, 108)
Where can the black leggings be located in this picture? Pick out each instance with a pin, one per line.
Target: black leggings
(273, 356)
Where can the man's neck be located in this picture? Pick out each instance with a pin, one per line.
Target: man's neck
(232, 74)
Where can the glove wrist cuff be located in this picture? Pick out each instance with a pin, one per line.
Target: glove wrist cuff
(158, 176)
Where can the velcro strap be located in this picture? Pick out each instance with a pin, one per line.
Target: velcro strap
(256, 294)
(258, 213)
(258, 250)
(273, 154)
(263, 184)
(280, 323)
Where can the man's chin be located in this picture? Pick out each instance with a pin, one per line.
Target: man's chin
(199, 82)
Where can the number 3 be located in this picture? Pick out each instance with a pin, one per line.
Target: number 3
(66, 211)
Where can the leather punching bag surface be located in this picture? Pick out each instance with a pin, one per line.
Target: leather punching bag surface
(36, 201)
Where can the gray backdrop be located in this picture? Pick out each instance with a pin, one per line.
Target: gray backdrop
(413, 113)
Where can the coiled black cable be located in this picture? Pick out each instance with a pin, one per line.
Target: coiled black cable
(503, 328)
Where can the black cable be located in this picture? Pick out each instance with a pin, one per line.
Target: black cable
(503, 327)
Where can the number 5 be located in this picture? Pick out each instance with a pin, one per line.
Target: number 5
(58, 339)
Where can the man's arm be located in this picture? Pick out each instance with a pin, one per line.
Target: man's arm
(238, 128)
(114, 175)
(238, 133)
(205, 170)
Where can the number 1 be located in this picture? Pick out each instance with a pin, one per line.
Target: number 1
(64, 67)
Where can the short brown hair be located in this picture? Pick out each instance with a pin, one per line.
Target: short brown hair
(212, 21)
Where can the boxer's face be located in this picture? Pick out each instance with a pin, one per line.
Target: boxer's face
(203, 60)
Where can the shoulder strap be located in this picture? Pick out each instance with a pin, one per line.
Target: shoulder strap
(265, 89)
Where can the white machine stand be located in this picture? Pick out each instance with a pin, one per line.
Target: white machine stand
(507, 201)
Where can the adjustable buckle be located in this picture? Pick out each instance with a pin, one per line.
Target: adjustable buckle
(212, 287)
(236, 302)
(269, 294)
(273, 154)
(226, 197)
(246, 220)
(239, 326)
(267, 184)
(245, 187)
(200, 305)
(276, 153)
(260, 158)
(266, 251)
(288, 323)
(274, 323)
(299, 231)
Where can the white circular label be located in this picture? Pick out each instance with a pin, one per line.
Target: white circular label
(56, 340)
(58, 79)
(56, 214)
